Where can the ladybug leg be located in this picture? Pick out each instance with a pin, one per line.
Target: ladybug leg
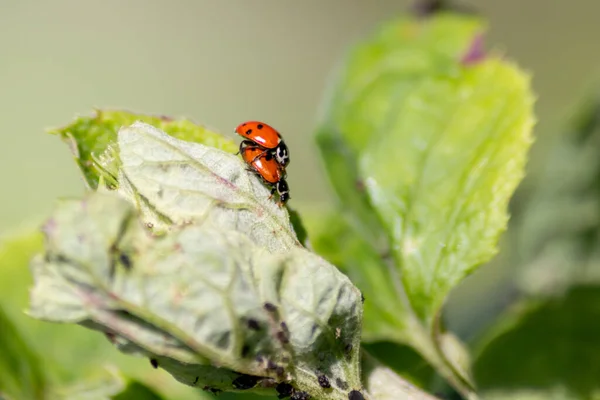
(260, 155)
(273, 190)
(243, 145)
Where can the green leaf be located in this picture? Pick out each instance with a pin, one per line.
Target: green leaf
(548, 346)
(403, 360)
(101, 385)
(378, 75)
(425, 139)
(383, 384)
(21, 373)
(67, 354)
(556, 393)
(199, 297)
(92, 138)
(445, 204)
(177, 182)
(137, 390)
(333, 238)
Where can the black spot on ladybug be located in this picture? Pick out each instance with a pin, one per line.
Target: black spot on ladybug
(248, 132)
(284, 390)
(154, 362)
(300, 396)
(324, 382)
(355, 395)
(270, 307)
(259, 126)
(253, 324)
(341, 384)
(245, 382)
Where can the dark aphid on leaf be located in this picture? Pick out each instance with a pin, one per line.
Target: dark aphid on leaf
(341, 384)
(125, 260)
(246, 350)
(267, 138)
(268, 383)
(300, 396)
(253, 324)
(324, 382)
(211, 390)
(282, 337)
(355, 395)
(245, 382)
(284, 390)
(264, 165)
(348, 349)
(278, 369)
(284, 334)
(270, 307)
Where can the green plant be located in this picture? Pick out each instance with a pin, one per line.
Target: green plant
(178, 255)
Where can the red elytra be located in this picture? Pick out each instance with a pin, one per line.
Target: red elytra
(263, 163)
(260, 133)
(266, 166)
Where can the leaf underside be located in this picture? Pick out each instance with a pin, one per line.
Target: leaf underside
(188, 262)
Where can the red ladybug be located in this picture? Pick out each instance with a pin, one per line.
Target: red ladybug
(267, 137)
(263, 164)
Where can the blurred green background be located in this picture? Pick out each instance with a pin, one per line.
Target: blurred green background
(222, 62)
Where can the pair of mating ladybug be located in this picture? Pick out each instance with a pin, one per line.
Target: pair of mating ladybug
(267, 155)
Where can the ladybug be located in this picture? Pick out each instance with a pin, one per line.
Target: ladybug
(263, 164)
(266, 137)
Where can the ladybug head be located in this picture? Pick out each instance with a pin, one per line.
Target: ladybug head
(284, 191)
(282, 154)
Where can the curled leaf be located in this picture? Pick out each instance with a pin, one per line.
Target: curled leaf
(92, 139)
(175, 182)
(207, 303)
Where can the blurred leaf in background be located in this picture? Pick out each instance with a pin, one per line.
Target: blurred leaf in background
(92, 139)
(546, 344)
(557, 237)
(549, 348)
(424, 139)
(22, 374)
